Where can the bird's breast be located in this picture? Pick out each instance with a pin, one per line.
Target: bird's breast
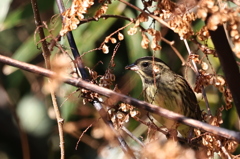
(166, 99)
(163, 97)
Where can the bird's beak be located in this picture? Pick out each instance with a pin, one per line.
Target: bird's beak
(132, 67)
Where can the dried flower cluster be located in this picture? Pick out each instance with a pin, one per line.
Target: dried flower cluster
(205, 79)
(215, 143)
(165, 5)
(104, 47)
(104, 81)
(221, 14)
(121, 115)
(113, 40)
(107, 79)
(234, 28)
(145, 41)
(181, 24)
(178, 17)
(132, 30)
(208, 51)
(156, 35)
(101, 11)
(155, 41)
(203, 34)
(218, 144)
(141, 18)
(73, 15)
(89, 96)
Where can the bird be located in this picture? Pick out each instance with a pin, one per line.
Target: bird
(164, 88)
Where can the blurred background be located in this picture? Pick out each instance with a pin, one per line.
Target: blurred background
(28, 128)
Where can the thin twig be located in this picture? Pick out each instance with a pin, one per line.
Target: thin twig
(229, 134)
(80, 137)
(189, 52)
(46, 55)
(132, 136)
(171, 43)
(197, 73)
(105, 16)
(151, 125)
(150, 15)
(225, 152)
(39, 26)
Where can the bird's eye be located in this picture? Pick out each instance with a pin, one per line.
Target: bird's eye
(145, 64)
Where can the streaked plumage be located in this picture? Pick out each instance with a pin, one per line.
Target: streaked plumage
(164, 88)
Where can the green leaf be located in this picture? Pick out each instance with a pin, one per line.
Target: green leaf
(26, 52)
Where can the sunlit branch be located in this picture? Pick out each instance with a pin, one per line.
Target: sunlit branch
(123, 98)
(46, 55)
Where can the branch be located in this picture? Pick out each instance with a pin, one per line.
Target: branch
(73, 45)
(230, 134)
(46, 55)
(228, 63)
(39, 25)
(106, 16)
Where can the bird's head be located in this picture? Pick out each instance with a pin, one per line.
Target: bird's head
(148, 67)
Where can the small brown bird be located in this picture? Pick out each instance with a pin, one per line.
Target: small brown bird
(166, 89)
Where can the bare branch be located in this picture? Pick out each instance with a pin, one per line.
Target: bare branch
(132, 136)
(73, 45)
(46, 55)
(123, 98)
(228, 63)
